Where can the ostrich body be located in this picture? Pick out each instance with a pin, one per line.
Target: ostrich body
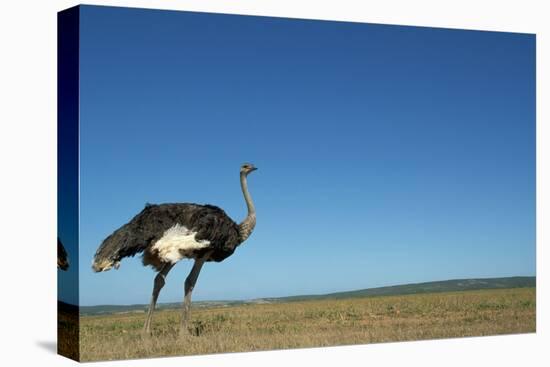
(62, 258)
(167, 233)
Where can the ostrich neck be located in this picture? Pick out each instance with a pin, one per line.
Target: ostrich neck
(247, 225)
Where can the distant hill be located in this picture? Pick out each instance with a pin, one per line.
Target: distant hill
(454, 285)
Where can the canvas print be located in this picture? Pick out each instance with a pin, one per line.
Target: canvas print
(233, 183)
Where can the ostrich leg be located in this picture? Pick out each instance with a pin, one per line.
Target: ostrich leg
(189, 285)
(159, 283)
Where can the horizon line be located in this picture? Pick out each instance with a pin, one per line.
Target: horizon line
(310, 294)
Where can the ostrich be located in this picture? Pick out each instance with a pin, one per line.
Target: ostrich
(62, 259)
(167, 233)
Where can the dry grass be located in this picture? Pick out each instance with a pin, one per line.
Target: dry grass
(312, 324)
(67, 333)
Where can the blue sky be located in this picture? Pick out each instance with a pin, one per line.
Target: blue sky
(386, 154)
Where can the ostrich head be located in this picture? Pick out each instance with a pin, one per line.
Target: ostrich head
(62, 264)
(246, 168)
(104, 264)
(107, 256)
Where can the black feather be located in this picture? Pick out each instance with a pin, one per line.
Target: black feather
(62, 258)
(210, 222)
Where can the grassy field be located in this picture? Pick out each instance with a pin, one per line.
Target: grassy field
(313, 323)
(67, 332)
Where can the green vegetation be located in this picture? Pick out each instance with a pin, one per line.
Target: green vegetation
(454, 285)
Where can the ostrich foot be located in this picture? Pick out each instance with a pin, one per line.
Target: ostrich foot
(146, 332)
(189, 284)
(184, 328)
